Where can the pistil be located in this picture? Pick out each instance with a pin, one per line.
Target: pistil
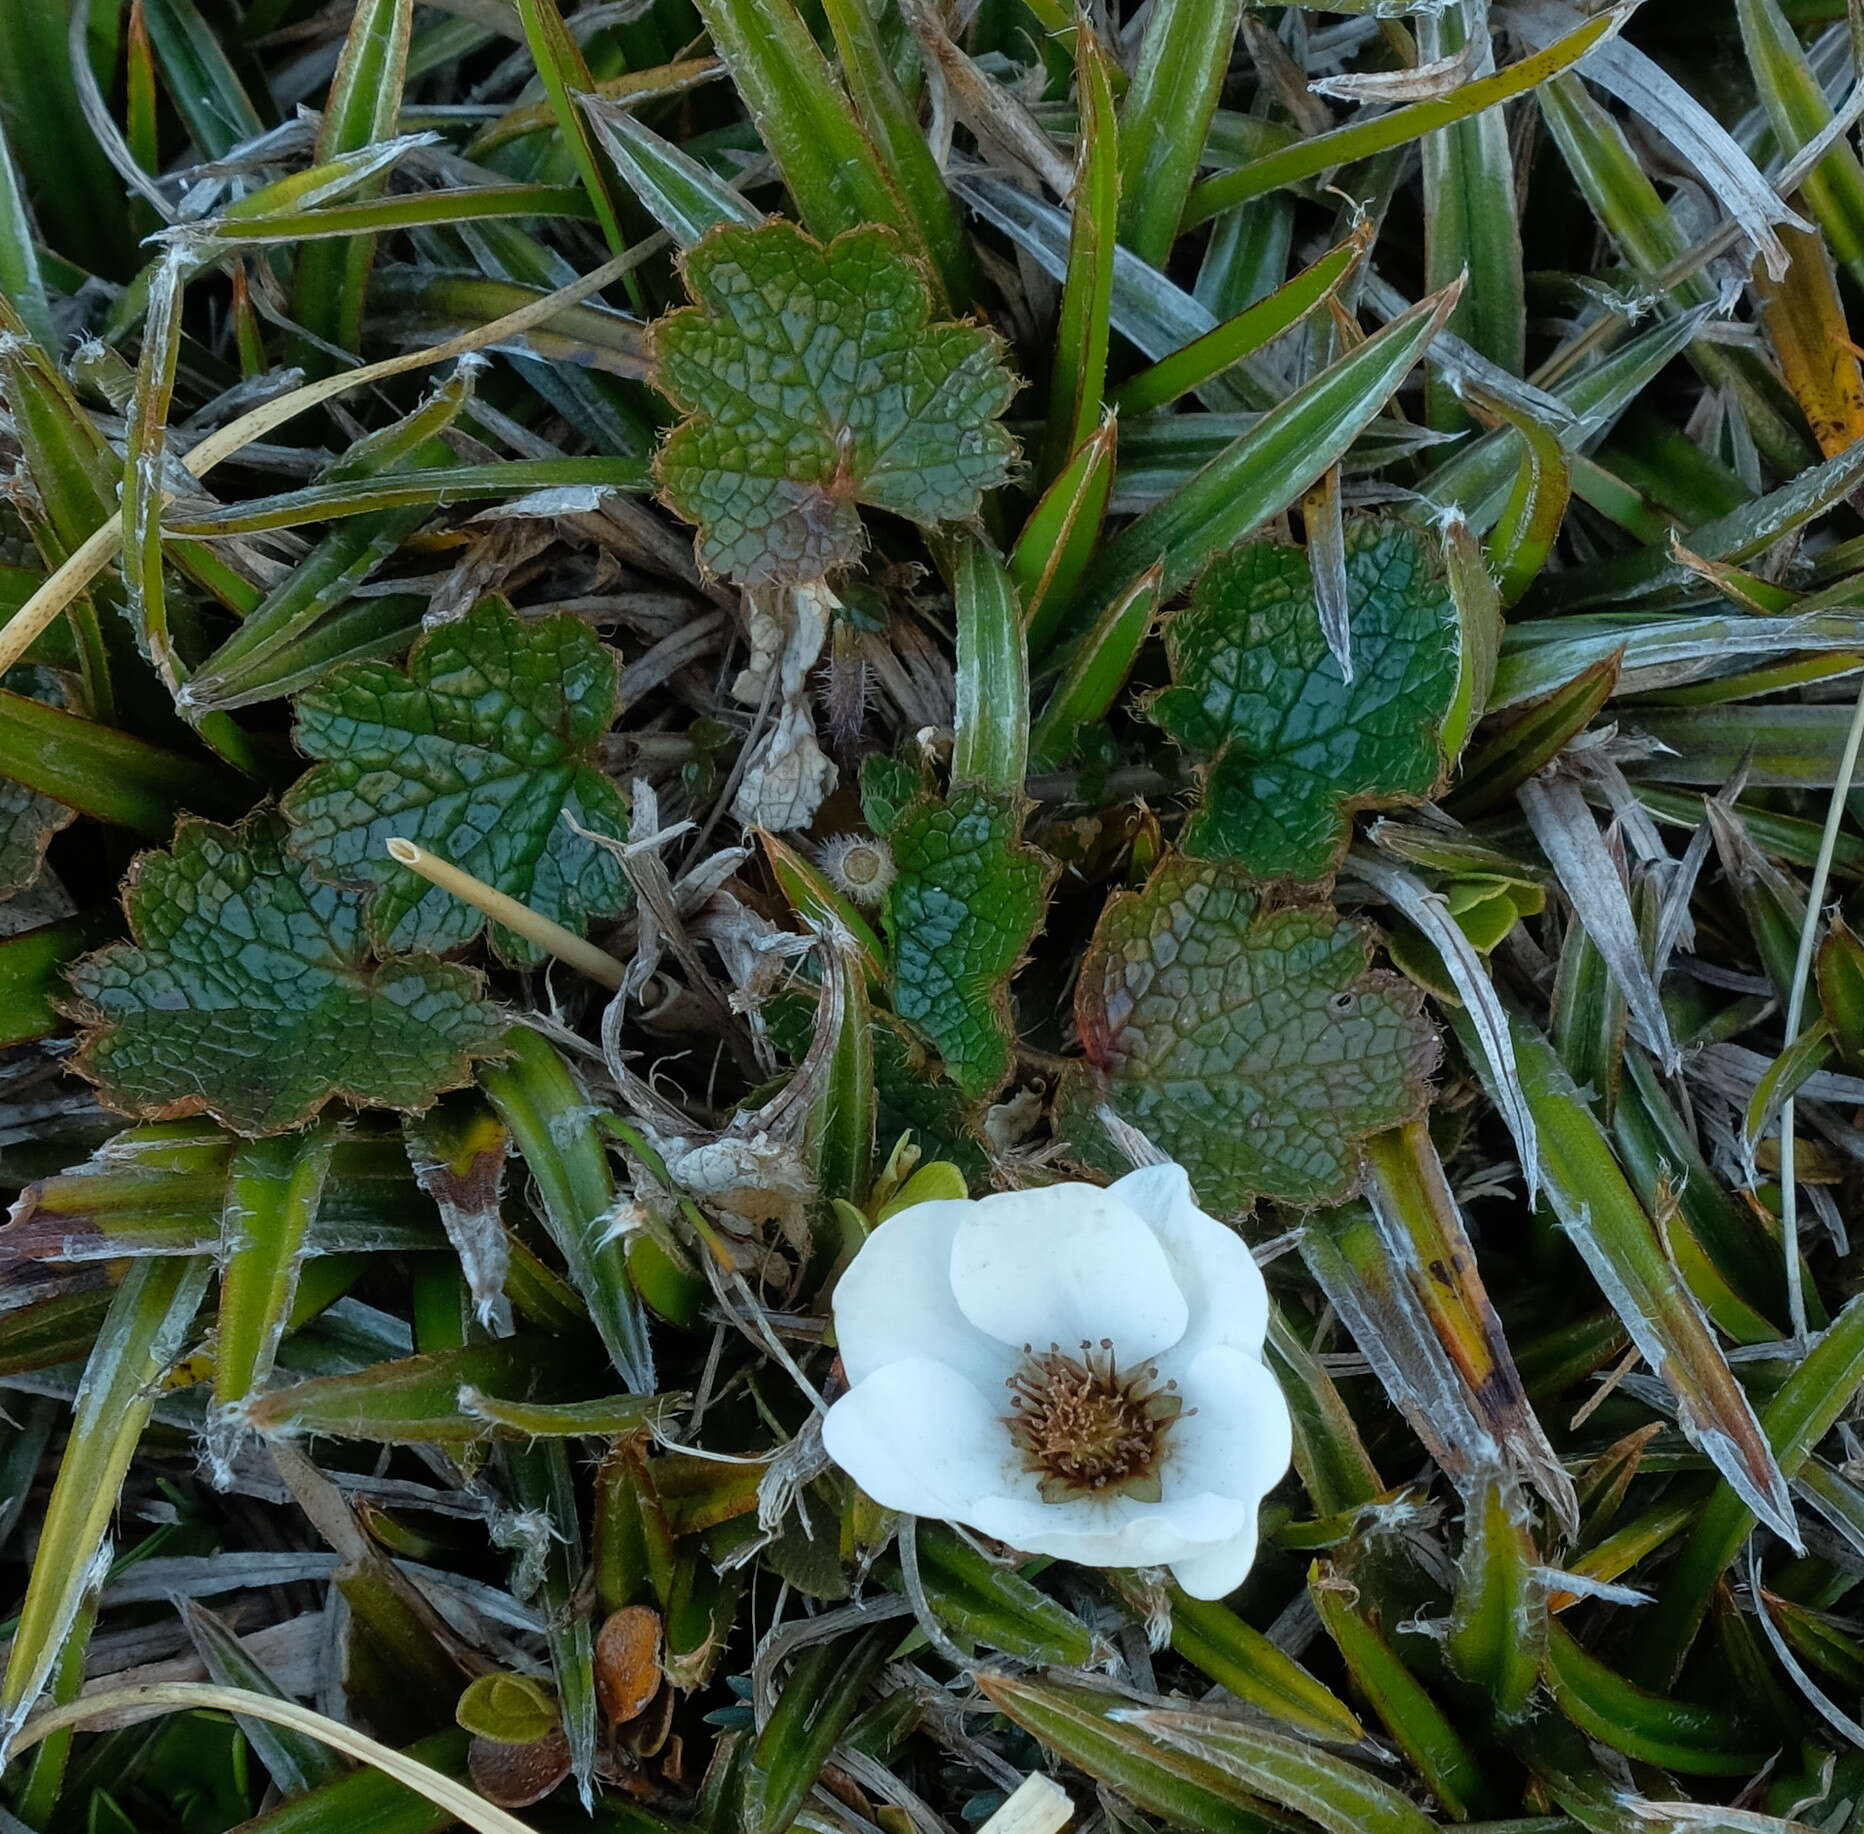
(1087, 1430)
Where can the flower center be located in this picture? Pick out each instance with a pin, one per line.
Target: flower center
(1085, 1429)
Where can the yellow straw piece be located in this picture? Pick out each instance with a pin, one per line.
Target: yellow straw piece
(553, 938)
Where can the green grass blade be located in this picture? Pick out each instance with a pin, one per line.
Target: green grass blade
(1815, 1396)
(1063, 530)
(273, 1190)
(110, 774)
(1238, 1657)
(144, 460)
(1498, 1624)
(1086, 1726)
(21, 280)
(991, 746)
(1078, 377)
(439, 488)
(75, 192)
(1360, 140)
(804, 117)
(1417, 1724)
(199, 78)
(1216, 351)
(147, 1329)
(1166, 115)
(32, 968)
(543, 1487)
(1795, 102)
(1471, 220)
(293, 1760)
(565, 75)
(547, 1113)
(1094, 671)
(892, 125)
(681, 195)
(330, 287)
(1323, 1788)
(1619, 1243)
(1679, 1735)
(812, 1711)
(1263, 471)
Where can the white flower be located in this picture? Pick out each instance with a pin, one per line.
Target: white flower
(1075, 1371)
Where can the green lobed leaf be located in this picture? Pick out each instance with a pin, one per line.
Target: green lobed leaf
(249, 993)
(1294, 745)
(813, 380)
(1250, 1041)
(968, 899)
(483, 751)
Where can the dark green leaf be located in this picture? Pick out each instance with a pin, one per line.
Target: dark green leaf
(249, 993)
(968, 899)
(1249, 1041)
(483, 751)
(814, 381)
(1293, 744)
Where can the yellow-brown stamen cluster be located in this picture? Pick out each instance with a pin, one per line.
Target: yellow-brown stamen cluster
(1085, 1429)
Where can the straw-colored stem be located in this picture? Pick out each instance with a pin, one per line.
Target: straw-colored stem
(552, 938)
(457, 1799)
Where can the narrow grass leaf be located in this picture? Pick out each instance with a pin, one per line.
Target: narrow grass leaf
(1796, 106)
(330, 285)
(564, 73)
(1265, 469)
(548, 1116)
(1326, 1789)
(1361, 139)
(1087, 1726)
(1417, 1724)
(1078, 376)
(295, 1761)
(1094, 671)
(1166, 114)
(273, 1190)
(1498, 1622)
(1194, 364)
(833, 170)
(1556, 810)
(990, 747)
(1471, 218)
(145, 1332)
(1057, 543)
(682, 196)
(1617, 1240)
(1816, 1394)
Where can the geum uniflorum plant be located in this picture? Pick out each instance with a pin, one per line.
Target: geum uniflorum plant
(1073, 1371)
(897, 892)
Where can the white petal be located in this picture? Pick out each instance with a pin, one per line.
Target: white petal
(917, 1436)
(1115, 1533)
(1210, 1262)
(1147, 1540)
(1234, 1438)
(1217, 1572)
(894, 1300)
(1064, 1264)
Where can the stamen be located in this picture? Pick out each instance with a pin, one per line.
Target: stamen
(1084, 1429)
